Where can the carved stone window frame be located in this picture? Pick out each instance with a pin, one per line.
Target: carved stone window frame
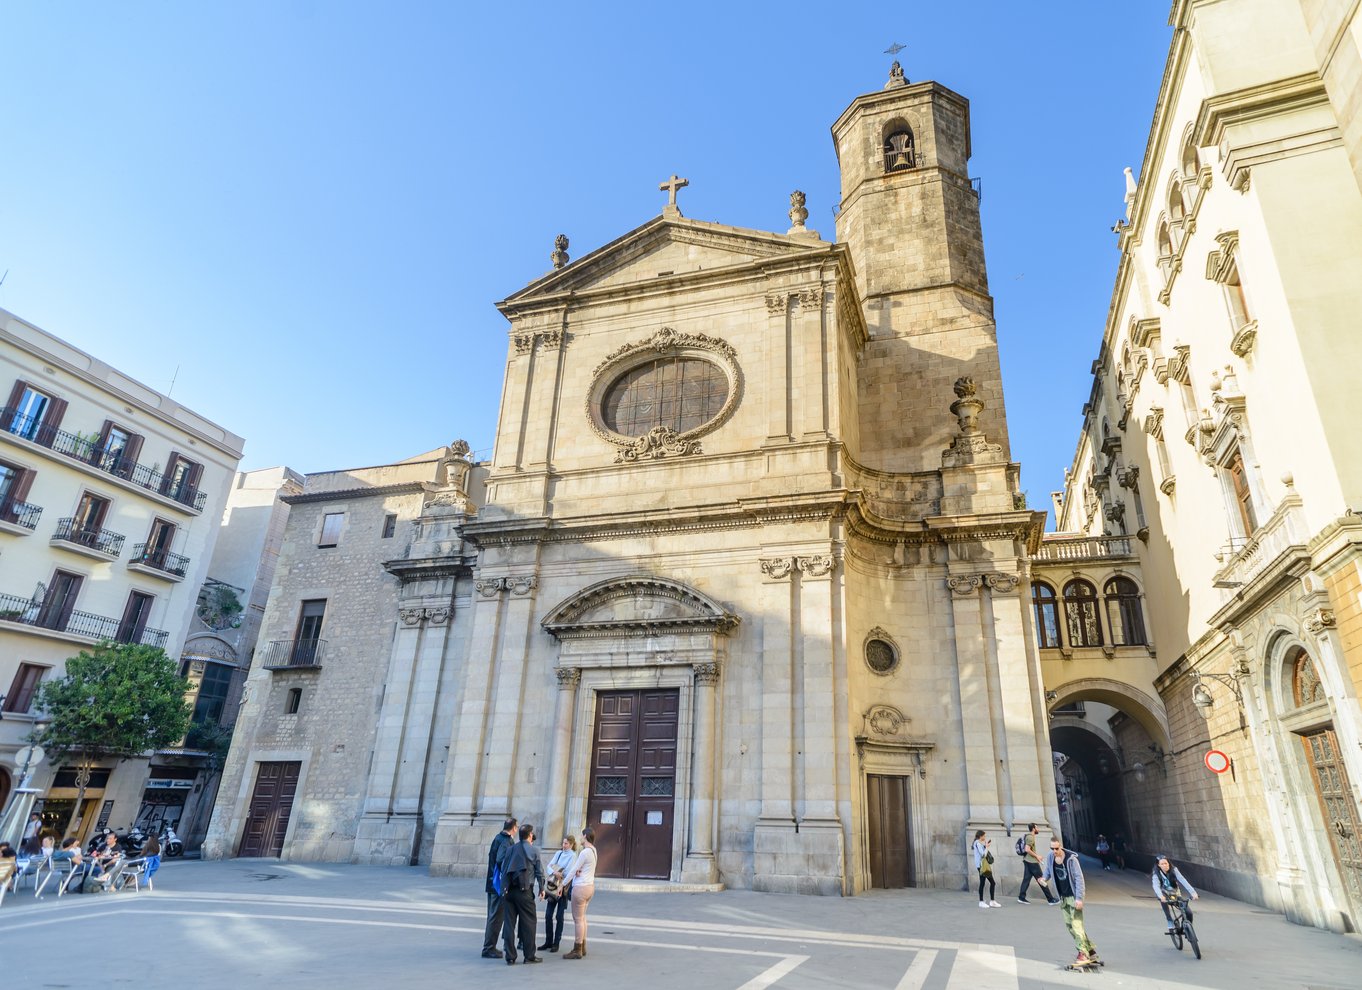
(662, 441)
(880, 635)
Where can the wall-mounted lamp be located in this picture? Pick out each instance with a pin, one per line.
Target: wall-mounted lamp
(1201, 696)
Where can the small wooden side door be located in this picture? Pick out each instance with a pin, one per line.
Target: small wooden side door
(271, 805)
(891, 859)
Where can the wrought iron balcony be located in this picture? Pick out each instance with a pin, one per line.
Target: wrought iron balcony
(1084, 548)
(89, 451)
(283, 654)
(159, 558)
(75, 623)
(20, 514)
(102, 540)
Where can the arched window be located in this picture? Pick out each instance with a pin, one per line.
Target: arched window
(1306, 688)
(898, 150)
(1177, 209)
(1124, 615)
(1235, 300)
(1191, 161)
(1046, 605)
(1165, 242)
(1080, 614)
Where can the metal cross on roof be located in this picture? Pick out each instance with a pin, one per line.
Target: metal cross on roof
(894, 49)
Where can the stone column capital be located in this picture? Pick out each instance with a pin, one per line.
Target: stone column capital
(568, 677)
(706, 673)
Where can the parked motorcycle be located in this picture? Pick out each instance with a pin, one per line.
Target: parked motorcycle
(171, 846)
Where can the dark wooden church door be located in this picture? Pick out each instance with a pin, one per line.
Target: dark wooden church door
(271, 804)
(633, 782)
(891, 847)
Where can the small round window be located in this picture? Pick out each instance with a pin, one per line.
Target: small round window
(880, 656)
(680, 393)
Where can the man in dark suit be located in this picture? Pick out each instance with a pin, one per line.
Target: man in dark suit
(524, 881)
(500, 844)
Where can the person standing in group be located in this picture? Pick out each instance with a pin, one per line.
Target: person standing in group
(583, 880)
(1064, 871)
(522, 877)
(557, 893)
(492, 932)
(983, 862)
(1031, 868)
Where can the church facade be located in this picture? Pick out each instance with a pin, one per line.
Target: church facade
(742, 585)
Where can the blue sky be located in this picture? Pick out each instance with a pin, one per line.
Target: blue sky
(297, 204)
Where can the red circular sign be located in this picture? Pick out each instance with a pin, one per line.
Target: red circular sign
(1216, 761)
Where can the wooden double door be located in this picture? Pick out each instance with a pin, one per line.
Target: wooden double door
(1342, 817)
(891, 841)
(271, 805)
(632, 799)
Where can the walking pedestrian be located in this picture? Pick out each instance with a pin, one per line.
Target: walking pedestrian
(494, 853)
(29, 844)
(522, 878)
(1118, 849)
(1104, 851)
(1031, 869)
(1066, 873)
(983, 862)
(583, 879)
(557, 893)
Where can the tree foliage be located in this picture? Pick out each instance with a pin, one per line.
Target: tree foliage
(117, 700)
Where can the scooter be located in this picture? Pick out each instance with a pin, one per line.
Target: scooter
(171, 845)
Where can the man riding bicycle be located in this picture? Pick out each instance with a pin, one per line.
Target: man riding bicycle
(1166, 879)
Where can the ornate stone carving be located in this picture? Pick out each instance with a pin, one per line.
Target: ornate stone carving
(547, 339)
(489, 587)
(775, 302)
(1220, 262)
(816, 566)
(551, 339)
(1242, 341)
(706, 673)
(964, 584)
(524, 342)
(559, 257)
(568, 677)
(884, 720)
(881, 652)
(659, 442)
(453, 499)
(777, 567)
(811, 297)
(411, 616)
(460, 448)
(896, 76)
(1321, 619)
(1128, 477)
(1001, 583)
(798, 212)
(438, 616)
(521, 586)
(967, 406)
(1116, 513)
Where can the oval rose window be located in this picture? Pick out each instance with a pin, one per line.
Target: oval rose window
(680, 393)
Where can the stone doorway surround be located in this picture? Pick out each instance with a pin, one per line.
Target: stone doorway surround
(632, 633)
(884, 746)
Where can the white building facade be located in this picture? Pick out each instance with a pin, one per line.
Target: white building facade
(110, 496)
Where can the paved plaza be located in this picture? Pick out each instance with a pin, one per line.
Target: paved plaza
(247, 923)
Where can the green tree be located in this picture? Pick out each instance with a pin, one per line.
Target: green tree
(117, 700)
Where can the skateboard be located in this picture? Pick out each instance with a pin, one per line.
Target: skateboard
(1091, 966)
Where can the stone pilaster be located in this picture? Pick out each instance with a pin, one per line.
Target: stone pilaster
(561, 756)
(699, 865)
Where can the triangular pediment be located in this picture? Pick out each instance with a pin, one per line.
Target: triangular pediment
(666, 247)
(636, 603)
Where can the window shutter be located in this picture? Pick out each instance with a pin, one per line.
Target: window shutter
(128, 463)
(191, 480)
(19, 490)
(47, 433)
(16, 394)
(168, 475)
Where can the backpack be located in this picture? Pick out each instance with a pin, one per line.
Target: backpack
(1021, 845)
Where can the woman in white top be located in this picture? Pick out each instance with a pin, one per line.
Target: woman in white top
(583, 878)
(555, 906)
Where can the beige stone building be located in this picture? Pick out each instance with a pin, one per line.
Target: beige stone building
(110, 495)
(1211, 506)
(742, 584)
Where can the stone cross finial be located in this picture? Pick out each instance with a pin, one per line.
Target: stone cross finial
(896, 76)
(559, 257)
(671, 186)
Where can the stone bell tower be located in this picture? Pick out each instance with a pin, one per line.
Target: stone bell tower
(910, 216)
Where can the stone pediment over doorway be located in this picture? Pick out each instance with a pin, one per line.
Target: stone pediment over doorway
(637, 606)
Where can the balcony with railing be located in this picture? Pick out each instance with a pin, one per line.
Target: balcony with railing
(19, 517)
(158, 562)
(26, 612)
(1073, 548)
(90, 452)
(92, 541)
(293, 654)
(1243, 559)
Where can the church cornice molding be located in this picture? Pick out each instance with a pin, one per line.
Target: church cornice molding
(460, 565)
(571, 619)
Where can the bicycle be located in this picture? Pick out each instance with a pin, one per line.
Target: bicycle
(1182, 926)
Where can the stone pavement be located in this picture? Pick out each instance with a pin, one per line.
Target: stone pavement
(249, 923)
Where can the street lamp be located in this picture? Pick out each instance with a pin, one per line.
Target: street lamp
(1201, 696)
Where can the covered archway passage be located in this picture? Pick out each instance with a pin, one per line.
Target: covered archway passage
(1111, 760)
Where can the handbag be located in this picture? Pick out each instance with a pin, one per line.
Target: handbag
(553, 887)
(989, 857)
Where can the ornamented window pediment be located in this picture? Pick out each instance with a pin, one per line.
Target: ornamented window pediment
(705, 384)
(636, 606)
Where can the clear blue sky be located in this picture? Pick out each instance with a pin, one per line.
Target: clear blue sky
(300, 203)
